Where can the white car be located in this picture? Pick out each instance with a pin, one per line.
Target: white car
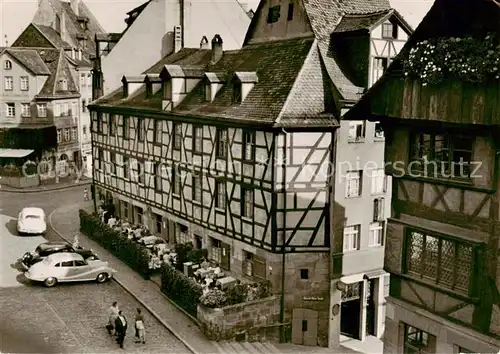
(31, 221)
(68, 267)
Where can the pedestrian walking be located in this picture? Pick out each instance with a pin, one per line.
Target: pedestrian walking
(140, 330)
(86, 194)
(121, 328)
(113, 312)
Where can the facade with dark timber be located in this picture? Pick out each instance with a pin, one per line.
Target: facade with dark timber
(221, 149)
(442, 152)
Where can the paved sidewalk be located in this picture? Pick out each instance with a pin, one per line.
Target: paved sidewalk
(65, 222)
(47, 187)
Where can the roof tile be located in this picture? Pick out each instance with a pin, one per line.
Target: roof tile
(30, 59)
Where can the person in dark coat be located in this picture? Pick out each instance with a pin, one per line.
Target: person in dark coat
(121, 328)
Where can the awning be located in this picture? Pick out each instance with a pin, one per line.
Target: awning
(351, 279)
(375, 274)
(15, 153)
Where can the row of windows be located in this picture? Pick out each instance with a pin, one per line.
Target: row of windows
(417, 341)
(354, 183)
(273, 14)
(138, 170)
(221, 136)
(23, 83)
(65, 109)
(69, 134)
(10, 109)
(85, 80)
(352, 236)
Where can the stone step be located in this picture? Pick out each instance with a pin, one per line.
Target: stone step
(229, 347)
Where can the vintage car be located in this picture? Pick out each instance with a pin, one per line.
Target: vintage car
(68, 267)
(151, 241)
(31, 221)
(48, 248)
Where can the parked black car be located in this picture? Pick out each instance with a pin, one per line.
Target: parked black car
(47, 248)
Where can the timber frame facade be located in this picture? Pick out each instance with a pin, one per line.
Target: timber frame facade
(194, 149)
(442, 153)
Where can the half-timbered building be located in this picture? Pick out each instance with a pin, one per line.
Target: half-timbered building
(231, 150)
(439, 105)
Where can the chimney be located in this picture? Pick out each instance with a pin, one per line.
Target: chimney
(177, 38)
(216, 48)
(204, 43)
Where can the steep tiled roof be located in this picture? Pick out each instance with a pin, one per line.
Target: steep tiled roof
(30, 59)
(52, 36)
(278, 66)
(354, 22)
(55, 60)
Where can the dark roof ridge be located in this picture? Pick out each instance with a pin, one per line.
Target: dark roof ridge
(365, 14)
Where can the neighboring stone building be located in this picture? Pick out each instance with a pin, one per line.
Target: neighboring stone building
(72, 27)
(160, 27)
(439, 105)
(38, 97)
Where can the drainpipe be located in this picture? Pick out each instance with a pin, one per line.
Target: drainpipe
(283, 239)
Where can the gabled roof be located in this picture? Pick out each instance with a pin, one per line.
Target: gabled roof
(445, 19)
(278, 67)
(355, 22)
(30, 59)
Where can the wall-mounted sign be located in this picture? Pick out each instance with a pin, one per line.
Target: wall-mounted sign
(312, 298)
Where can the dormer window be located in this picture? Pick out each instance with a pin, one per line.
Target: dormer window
(389, 30)
(237, 92)
(208, 92)
(274, 14)
(214, 81)
(7, 65)
(149, 89)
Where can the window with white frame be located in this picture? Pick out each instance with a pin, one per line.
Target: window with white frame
(357, 130)
(140, 171)
(181, 234)
(84, 105)
(100, 159)
(10, 110)
(380, 65)
(379, 131)
(67, 134)
(89, 79)
(74, 135)
(158, 223)
(84, 131)
(59, 135)
(176, 177)
(25, 109)
(389, 30)
(141, 133)
(247, 263)
(376, 234)
(7, 65)
(378, 181)
(83, 83)
(74, 108)
(215, 250)
(126, 167)
(247, 202)
(157, 172)
(9, 83)
(353, 184)
(220, 196)
(57, 110)
(158, 131)
(351, 237)
(112, 162)
(125, 127)
(139, 214)
(112, 124)
(25, 84)
(42, 110)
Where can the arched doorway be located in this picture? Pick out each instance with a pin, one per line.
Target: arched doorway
(63, 165)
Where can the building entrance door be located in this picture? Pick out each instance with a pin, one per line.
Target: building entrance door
(305, 327)
(350, 311)
(370, 308)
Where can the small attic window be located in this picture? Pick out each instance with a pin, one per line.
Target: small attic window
(389, 30)
(236, 92)
(274, 14)
(7, 65)
(63, 85)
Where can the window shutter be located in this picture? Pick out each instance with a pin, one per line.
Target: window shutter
(381, 209)
(259, 267)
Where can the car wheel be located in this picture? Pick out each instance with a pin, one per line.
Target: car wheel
(101, 278)
(50, 282)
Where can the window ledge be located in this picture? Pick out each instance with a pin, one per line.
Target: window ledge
(353, 197)
(379, 139)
